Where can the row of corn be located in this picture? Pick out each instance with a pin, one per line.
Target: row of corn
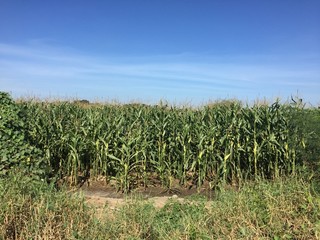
(135, 144)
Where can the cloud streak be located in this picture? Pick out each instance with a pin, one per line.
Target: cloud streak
(44, 70)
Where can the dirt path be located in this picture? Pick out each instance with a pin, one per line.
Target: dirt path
(114, 203)
(99, 194)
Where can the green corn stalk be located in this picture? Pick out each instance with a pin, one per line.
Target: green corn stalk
(220, 142)
(124, 167)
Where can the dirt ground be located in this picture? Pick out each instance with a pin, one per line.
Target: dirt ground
(99, 194)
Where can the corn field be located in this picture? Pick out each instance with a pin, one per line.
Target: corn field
(136, 143)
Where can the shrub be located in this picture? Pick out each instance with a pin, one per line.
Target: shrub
(15, 150)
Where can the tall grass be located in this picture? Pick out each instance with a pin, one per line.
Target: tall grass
(286, 208)
(32, 209)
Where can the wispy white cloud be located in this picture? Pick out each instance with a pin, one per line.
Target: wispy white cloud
(45, 69)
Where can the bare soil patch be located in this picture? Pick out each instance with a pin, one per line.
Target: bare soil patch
(99, 194)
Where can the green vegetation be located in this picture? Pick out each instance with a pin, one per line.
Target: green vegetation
(15, 147)
(280, 209)
(262, 161)
(134, 143)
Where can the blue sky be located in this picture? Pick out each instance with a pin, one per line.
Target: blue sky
(182, 51)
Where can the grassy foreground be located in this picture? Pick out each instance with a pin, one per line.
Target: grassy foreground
(281, 209)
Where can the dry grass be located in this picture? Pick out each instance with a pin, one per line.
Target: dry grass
(283, 209)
